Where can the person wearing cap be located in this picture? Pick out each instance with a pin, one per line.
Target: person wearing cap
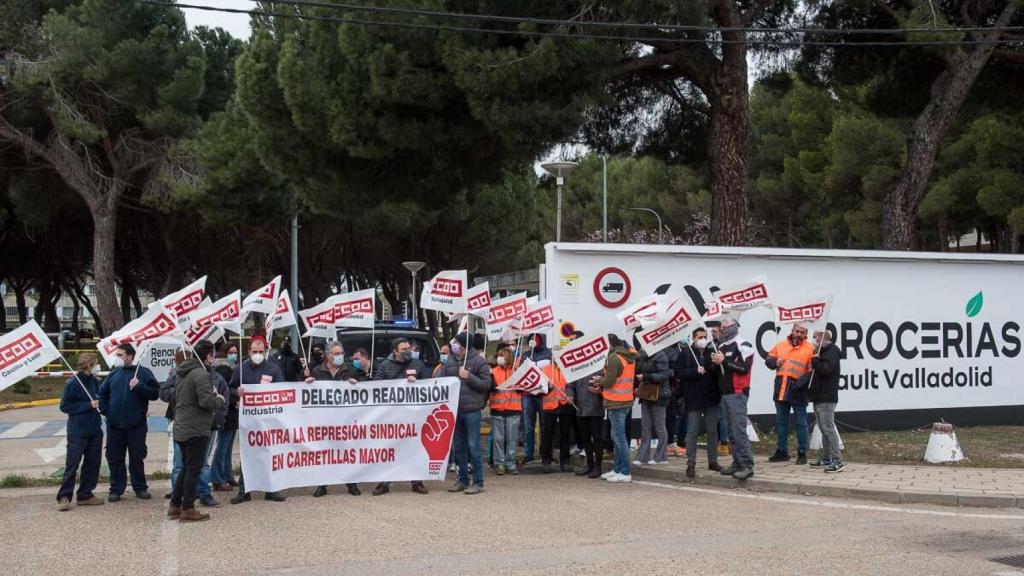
(256, 369)
(824, 392)
(84, 434)
(791, 360)
(468, 365)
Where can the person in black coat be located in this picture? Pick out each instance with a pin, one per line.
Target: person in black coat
(823, 390)
(85, 434)
(702, 397)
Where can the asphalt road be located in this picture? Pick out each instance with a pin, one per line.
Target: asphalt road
(530, 524)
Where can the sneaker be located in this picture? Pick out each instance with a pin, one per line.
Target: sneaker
(239, 498)
(651, 462)
(500, 470)
(64, 504)
(691, 470)
(91, 501)
(821, 463)
(834, 467)
(660, 463)
(192, 515)
(729, 471)
(638, 463)
(621, 479)
(608, 474)
(779, 456)
(514, 471)
(209, 502)
(474, 489)
(743, 474)
(801, 458)
(143, 495)
(113, 497)
(457, 488)
(575, 451)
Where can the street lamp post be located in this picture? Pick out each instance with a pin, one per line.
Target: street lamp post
(559, 170)
(414, 267)
(656, 215)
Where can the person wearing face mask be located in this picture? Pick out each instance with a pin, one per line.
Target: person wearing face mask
(445, 352)
(791, 360)
(85, 434)
(222, 473)
(196, 401)
(506, 410)
(468, 365)
(335, 369)
(701, 398)
(316, 355)
(616, 385)
(731, 364)
(361, 364)
(124, 399)
(289, 362)
(586, 395)
(397, 366)
(256, 369)
(533, 406)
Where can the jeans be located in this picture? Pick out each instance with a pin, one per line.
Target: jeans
(221, 469)
(563, 423)
(674, 415)
(652, 416)
(592, 428)
(724, 432)
(130, 441)
(86, 451)
(825, 416)
(736, 408)
(466, 447)
(531, 410)
(505, 434)
(193, 457)
(618, 418)
(693, 418)
(203, 483)
(782, 425)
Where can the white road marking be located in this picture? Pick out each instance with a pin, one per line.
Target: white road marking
(21, 430)
(169, 528)
(830, 504)
(50, 454)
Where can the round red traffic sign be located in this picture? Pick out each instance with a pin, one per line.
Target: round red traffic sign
(612, 287)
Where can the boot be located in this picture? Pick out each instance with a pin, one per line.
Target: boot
(192, 515)
(173, 512)
(691, 470)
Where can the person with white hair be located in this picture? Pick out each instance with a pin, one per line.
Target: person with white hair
(732, 363)
(824, 392)
(791, 360)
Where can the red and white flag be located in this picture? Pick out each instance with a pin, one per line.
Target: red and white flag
(527, 378)
(646, 309)
(745, 295)
(263, 300)
(283, 316)
(187, 299)
(679, 319)
(445, 292)
(502, 313)
(23, 351)
(539, 317)
(224, 313)
(155, 322)
(583, 357)
(355, 309)
(319, 320)
(812, 312)
(478, 300)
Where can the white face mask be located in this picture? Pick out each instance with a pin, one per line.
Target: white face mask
(701, 343)
(533, 343)
(257, 358)
(117, 362)
(501, 360)
(95, 371)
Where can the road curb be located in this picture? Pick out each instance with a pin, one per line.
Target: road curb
(29, 404)
(888, 496)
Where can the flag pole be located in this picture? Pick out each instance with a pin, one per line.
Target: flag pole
(80, 383)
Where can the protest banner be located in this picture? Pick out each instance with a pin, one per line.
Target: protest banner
(187, 299)
(676, 324)
(583, 357)
(355, 309)
(478, 300)
(155, 322)
(262, 300)
(23, 351)
(811, 312)
(631, 317)
(527, 378)
(503, 312)
(296, 434)
(744, 295)
(445, 292)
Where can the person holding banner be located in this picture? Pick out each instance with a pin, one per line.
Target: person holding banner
(334, 369)
(506, 410)
(652, 384)
(701, 399)
(195, 403)
(732, 363)
(587, 397)
(824, 392)
(222, 473)
(558, 415)
(617, 393)
(468, 365)
(124, 399)
(257, 369)
(401, 365)
(791, 360)
(533, 405)
(85, 434)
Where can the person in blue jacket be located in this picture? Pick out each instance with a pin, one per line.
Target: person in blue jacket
(85, 434)
(124, 400)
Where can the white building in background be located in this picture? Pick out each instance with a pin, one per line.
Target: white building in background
(65, 306)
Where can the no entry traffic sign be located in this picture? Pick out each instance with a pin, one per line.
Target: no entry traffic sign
(612, 287)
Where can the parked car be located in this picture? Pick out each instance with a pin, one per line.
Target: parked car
(383, 334)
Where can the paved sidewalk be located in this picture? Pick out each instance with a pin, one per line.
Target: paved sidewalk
(947, 485)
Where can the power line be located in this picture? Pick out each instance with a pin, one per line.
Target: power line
(584, 36)
(634, 25)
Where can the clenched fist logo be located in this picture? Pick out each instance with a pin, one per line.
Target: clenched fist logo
(436, 436)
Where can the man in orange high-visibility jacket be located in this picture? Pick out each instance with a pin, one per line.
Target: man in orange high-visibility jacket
(617, 391)
(506, 411)
(558, 414)
(791, 360)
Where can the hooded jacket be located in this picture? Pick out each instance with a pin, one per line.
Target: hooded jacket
(824, 380)
(541, 352)
(612, 370)
(123, 406)
(195, 400)
(476, 388)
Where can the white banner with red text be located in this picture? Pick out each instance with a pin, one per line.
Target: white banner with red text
(296, 434)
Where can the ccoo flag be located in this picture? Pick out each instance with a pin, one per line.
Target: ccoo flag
(319, 320)
(583, 357)
(445, 292)
(675, 324)
(283, 316)
(23, 351)
(187, 299)
(745, 295)
(263, 300)
(812, 312)
(527, 378)
(155, 322)
(478, 300)
(355, 309)
(503, 312)
(645, 309)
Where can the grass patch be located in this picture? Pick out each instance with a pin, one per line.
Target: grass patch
(984, 446)
(37, 389)
(22, 481)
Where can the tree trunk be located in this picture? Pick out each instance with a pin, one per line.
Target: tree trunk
(104, 228)
(19, 301)
(948, 93)
(81, 297)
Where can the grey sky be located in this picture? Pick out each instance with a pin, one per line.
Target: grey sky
(236, 24)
